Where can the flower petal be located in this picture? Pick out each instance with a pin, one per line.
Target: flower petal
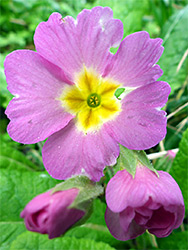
(70, 43)
(70, 152)
(161, 223)
(116, 224)
(134, 63)
(60, 216)
(35, 205)
(141, 124)
(35, 113)
(122, 192)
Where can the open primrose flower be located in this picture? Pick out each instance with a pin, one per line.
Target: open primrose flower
(143, 202)
(66, 91)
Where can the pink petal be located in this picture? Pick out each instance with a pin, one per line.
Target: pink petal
(114, 222)
(70, 152)
(161, 223)
(70, 43)
(141, 124)
(35, 113)
(134, 63)
(143, 214)
(60, 216)
(37, 203)
(126, 217)
(121, 192)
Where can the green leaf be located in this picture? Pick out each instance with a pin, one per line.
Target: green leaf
(175, 44)
(176, 241)
(180, 167)
(11, 158)
(10, 231)
(33, 241)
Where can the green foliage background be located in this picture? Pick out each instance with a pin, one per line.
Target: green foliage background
(22, 175)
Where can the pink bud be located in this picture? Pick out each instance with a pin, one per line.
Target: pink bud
(171, 154)
(50, 214)
(143, 202)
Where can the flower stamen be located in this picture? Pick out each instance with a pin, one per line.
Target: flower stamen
(94, 100)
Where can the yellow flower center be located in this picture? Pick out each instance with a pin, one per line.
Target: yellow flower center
(91, 100)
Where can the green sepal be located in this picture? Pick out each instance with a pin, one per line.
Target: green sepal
(126, 160)
(143, 159)
(129, 159)
(118, 92)
(88, 191)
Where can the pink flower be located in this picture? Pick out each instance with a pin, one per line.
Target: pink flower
(65, 91)
(143, 202)
(50, 214)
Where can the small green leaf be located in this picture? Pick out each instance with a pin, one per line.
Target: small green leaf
(179, 169)
(118, 92)
(34, 241)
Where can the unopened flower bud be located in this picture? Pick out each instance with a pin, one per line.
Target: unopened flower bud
(143, 202)
(50, 213)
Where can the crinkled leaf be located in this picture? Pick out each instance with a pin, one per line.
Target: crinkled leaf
(9, 232)
(30, 241)
(179, 169)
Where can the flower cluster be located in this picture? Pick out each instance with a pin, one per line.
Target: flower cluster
(66, 91)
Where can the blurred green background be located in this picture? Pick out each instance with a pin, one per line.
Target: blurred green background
(22, 172)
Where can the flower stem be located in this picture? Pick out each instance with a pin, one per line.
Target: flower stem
(160, 154)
